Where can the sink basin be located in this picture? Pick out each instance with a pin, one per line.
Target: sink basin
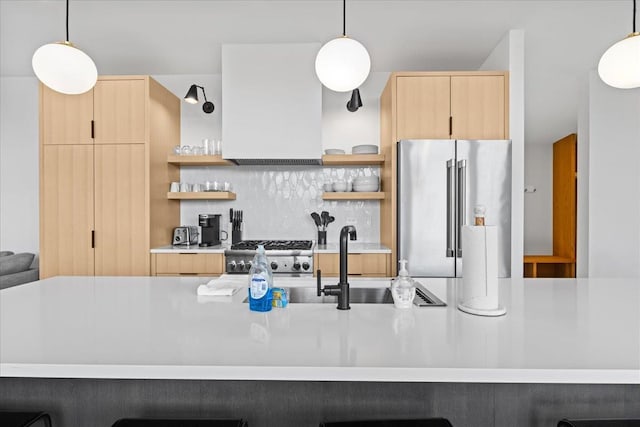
(356, 296)
(423, 298)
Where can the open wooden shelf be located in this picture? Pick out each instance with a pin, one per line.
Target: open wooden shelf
(352, 159)
(353, 195)
(202, 195)
(198, 160)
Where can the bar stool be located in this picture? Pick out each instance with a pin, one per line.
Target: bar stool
(427, 422)
(24, 419)
(150, 422)
(618, 422)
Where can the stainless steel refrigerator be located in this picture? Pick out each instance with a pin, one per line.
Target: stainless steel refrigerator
(439, 184)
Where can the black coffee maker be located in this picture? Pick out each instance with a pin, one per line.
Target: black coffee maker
(210, 233)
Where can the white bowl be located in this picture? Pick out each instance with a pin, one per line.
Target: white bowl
(365, 187)
(333, 151)
(364, 149)
(366, 180)
(328, 186)
(340, 186)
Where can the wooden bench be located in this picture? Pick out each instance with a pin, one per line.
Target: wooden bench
(558, 266)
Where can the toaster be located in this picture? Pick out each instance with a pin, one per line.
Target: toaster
(185, 235)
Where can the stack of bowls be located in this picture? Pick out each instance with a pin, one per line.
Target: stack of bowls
(329, 151)
(364, 149)
(366, 184)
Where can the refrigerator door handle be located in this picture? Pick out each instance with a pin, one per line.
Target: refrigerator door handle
(451, 199)
(462, 197)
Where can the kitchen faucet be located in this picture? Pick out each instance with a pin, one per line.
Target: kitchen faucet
(342, 288)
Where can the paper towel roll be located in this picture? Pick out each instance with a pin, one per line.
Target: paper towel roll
(479, 290)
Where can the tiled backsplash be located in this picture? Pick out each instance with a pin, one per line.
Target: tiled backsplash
(277, 201)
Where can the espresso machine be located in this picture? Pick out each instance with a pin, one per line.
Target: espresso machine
(210, 229)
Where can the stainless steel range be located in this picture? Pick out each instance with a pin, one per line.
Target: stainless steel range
(292, 257)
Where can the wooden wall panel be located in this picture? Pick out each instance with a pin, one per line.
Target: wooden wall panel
(66, 210)
(121, 246)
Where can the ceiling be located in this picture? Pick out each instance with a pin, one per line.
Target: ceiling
(564, 39)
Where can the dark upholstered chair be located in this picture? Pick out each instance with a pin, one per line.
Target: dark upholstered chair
(427, 422)
(149, 422)
(612, 422)
(24, 419)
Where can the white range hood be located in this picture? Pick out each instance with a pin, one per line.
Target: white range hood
(271, 104)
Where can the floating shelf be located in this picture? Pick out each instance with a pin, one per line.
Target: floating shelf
(202, 195)
(352, 159)
(198, 160)
(353, 195)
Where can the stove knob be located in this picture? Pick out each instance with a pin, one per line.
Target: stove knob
(305, 266)
(296, 265)
(241, 266)
(274, 265)
(231, 266)
(249, 265)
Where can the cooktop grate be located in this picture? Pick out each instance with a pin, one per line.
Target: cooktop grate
(270, 245)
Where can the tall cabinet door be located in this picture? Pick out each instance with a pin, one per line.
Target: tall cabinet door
(66, 210)
(120, 111)
(423, 106)
(121, 230)
(478, 106)
(65, 119)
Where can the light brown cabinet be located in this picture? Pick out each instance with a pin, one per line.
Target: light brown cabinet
(367, 265)
(435, 105)
(187, 263)
(104, 176)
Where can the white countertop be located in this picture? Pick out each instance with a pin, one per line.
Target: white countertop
(555, 331)
(192, 249)
(354, 248)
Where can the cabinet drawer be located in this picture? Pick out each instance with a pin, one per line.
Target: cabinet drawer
(189, 263)
(358, 264)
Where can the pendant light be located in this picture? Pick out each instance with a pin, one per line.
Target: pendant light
(63, 67)
(620, 64)
(343, 64)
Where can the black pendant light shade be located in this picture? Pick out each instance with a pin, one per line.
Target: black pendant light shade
(355, 102)
(192, 98)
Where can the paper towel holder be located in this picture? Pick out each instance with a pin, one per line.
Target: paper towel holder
(479, 292)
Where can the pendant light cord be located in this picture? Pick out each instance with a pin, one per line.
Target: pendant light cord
(68, 20)
(344, 17)
(634, 16)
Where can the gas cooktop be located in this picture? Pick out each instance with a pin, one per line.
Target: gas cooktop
(271, 245)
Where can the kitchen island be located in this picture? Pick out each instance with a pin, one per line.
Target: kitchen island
(141, 345)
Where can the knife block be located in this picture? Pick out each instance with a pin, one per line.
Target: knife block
(236, 236)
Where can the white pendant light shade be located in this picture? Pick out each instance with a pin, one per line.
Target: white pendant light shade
(620, 65)
(64, 68)
(343, 64)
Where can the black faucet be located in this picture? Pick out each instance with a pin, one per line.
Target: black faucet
(342, 288)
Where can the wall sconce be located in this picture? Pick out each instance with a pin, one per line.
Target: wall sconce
(355, 102)
(192, 98)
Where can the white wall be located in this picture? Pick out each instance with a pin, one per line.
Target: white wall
(582, 225)
(509, 55)
(19, 227)
(538, 206)
(614, 180)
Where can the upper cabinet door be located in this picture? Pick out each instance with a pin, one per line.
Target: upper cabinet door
(120, 108)
(65, 119)
(423, 107)
(478, 107)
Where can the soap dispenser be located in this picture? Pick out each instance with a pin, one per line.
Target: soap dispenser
(403, 288)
